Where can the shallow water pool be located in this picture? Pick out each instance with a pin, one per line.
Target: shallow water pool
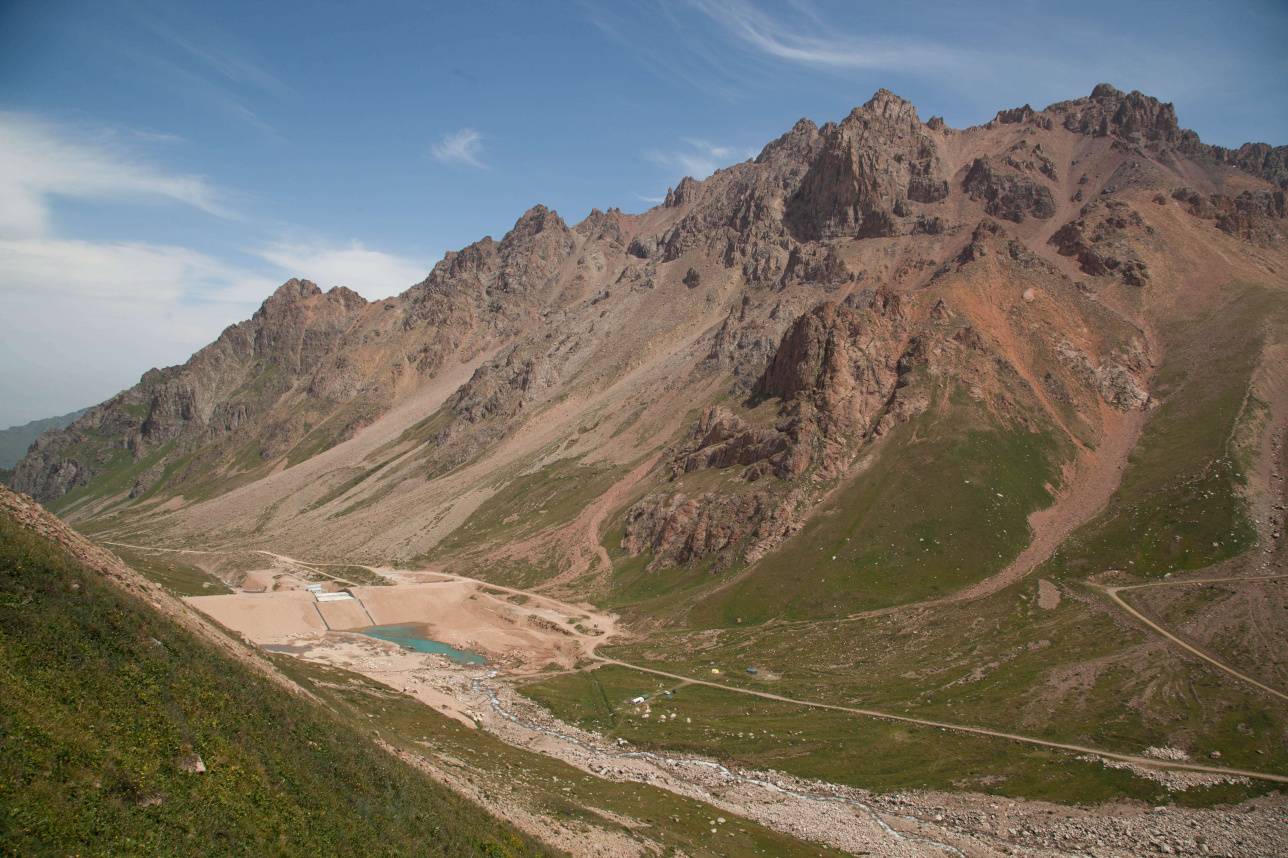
(410, 635)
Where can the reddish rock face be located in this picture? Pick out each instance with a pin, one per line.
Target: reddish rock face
(1008, 193)
(1101, 240)
(1132, 116)
(817, 295)
(878, 157)
(834, 374)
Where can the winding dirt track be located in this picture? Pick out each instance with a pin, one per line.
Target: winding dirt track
(1112, 593)
(1099, 473)
(959, 728)
(874, 713)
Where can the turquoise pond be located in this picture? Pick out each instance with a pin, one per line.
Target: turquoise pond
(409, 635)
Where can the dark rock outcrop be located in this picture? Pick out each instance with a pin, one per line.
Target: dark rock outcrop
(677, 529)
(1007, 192)
(1132, 116)
(1256, 216)
(1098, 239)
(878, 156)
(835, 374)
(721, 439)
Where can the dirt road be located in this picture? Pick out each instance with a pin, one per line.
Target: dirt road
(1112, 592)
(888, 716)
(959, 728)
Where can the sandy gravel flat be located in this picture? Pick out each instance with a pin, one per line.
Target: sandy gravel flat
(344, 615)
(263, 617)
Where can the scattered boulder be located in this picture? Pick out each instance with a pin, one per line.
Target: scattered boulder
(192, 763)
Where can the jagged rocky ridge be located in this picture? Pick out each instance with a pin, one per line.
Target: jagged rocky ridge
(849, 278)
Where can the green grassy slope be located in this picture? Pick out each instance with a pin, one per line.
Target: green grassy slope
(650, 815)
(544, 499)
(170, 571)
(101, 698)
(830, 746)
(1180, 504)
(945, 503)
(1081, 671)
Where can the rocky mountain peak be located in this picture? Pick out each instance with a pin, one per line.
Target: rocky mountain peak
(1132, 116)
(771, 238)
(287, 298)
(1259, 159)
(1014, 115)
(795, 145)
(865, 169)
(345, 297)
(885, 103)
(601, 225)
(295, 289)
(292, 297)
(297, 292)
(536, 220)
(681, 193)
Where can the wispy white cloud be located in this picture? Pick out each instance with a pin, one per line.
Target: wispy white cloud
(697, 158)
(194, 87)
(219, 55)
(684, 58)
(820, 46)
(716, 151)
(460, 147)
(84, 319)
(147, 135)
(202, 65)
(371, 273)
(39, 161)
(124, 273)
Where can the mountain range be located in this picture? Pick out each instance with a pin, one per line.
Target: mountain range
(891, 412)
(15, 440)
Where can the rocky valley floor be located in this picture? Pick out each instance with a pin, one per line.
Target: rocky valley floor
(529, 637)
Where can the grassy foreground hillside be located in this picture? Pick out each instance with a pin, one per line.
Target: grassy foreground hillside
(105, 704)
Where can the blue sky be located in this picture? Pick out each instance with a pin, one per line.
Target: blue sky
(163, 166)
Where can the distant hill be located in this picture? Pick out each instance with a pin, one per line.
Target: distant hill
(15, 440)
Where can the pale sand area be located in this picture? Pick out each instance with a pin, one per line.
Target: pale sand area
(264, 617)
(344, 615)
(465, 614)
(518, 633)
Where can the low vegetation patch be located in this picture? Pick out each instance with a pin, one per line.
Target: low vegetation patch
(1181, 505)
(546, 498)
(830, 746)
(939, 508)
(124, 734)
